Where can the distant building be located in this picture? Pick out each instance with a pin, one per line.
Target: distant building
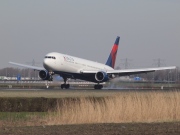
(137, 78)
(4, 78)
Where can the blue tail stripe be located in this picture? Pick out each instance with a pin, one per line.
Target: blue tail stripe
(109, 61)
(117, 41)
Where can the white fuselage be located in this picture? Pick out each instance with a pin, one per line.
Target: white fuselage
(69, 64)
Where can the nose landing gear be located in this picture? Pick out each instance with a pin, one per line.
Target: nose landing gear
(50, 76)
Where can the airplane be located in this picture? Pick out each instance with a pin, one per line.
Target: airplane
(70, 67)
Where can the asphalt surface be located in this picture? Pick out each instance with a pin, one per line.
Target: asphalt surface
(85, 89)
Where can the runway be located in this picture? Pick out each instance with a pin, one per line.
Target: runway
(88, 89)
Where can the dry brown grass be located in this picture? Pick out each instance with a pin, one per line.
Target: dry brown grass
(125, 107)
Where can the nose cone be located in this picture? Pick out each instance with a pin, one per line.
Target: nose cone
(47, 64)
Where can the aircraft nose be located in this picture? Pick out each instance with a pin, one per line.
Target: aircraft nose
(46, 63)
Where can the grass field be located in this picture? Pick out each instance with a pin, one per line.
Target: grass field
(120, 108)
(107, 107)
(16, 119)
(56, 93)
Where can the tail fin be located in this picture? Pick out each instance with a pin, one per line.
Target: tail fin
(112, 57)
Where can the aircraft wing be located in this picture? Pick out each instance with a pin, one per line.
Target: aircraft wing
(127, 72)
(27, 66)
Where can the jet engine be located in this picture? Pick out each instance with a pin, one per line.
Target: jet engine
(101, 76)
(44, 75)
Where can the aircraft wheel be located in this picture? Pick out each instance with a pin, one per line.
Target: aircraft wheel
(51, 78)
(67, 86)
(62, 86)
(98, 86)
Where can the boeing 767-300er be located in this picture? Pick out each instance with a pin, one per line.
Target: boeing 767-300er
(77, 68)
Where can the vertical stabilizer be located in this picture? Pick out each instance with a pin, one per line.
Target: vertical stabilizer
(112, 57)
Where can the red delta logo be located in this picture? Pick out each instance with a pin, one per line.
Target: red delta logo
(113, 54)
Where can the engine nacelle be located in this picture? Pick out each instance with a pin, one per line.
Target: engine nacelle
(101, 76)
(44, 75)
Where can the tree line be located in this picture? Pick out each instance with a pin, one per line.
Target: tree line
(14, 72)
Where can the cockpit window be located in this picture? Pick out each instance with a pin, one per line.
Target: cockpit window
(50, 57)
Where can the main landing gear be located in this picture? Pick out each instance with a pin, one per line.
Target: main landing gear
(98, 86)
(66, 86)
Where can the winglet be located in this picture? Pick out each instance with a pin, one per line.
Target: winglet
(112, 57)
